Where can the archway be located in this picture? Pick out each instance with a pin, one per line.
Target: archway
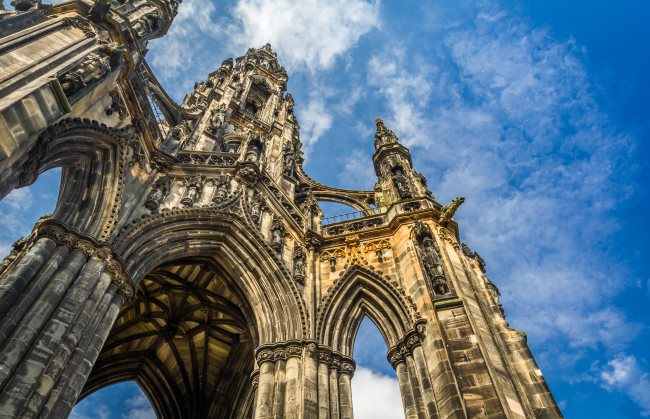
(361, 293)
(185, 340)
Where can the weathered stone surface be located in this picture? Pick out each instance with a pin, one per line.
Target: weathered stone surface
(188, 252)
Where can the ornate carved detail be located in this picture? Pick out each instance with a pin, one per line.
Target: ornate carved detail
(92, 68)
(158, 194)
(355, 226)
(447, 212)
(277, 234)
(299, 261)
(192, 191)
(473, 255)
(212, 159)
(429, 255)
(16, 248)
(31, 167)
(117, 105)
(382, 134)
(90, 247)
(248, 173)
(147, 24)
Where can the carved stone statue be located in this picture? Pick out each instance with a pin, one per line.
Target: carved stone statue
(178, 136)
(429, 254)
(401, 183)
(192, 191)
(299, 264)
(217, 117)
(222, 186)
(254, 149)
(158, 193)
(277, 234)
(147, 24)
(93, 67)
(255, 205)
(289, 160)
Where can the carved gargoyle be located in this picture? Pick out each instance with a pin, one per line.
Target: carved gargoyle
(447, 213)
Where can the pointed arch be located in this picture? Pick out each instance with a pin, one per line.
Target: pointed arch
(277, 309)
(362, 292)
(92, 158)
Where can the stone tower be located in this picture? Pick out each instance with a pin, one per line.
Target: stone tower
(188, 252)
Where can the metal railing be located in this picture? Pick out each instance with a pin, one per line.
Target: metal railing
(352, 215)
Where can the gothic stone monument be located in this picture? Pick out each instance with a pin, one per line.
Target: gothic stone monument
(188, 252)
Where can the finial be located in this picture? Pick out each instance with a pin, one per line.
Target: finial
(383, 135)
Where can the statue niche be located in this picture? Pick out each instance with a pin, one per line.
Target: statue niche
(258, 95)
(401, 183)
(430, 258)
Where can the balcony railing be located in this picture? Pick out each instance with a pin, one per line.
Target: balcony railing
(352, 215)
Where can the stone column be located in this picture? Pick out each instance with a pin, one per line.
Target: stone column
(280, 356)
(324, 359)
(334, 388)
(422, 371)
(264, 398)
(345, 388)
(293, 393)
(50, 312)
(410, 365)
(282, 370)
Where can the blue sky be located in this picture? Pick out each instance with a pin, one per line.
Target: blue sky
(536, 111)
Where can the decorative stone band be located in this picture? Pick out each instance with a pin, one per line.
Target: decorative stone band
(296, 348)
(89, 246)
(405, 346)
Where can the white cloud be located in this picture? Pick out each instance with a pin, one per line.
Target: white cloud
(92, 410)
(139, 408)
(309, 34)
(623, 373)
(183, 55)
(315, 120)
(375, 396)
(357, 173)
(507, 117)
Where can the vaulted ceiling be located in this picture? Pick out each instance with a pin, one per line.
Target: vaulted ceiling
(184, 339)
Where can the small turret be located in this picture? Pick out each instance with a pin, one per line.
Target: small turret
(394, 168)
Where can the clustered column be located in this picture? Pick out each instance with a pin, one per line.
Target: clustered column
(410, 365)
(335, 373)
(300, 379)
(58, 301)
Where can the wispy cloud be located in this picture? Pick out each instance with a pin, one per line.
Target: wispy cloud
(624, 373)
(309, 34)
(507, 116)
(139, 407)
(375, 396)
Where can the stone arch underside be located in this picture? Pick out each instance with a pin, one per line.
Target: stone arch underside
(277, 308)
(92, 158)
(360, 292)
(185, 339)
